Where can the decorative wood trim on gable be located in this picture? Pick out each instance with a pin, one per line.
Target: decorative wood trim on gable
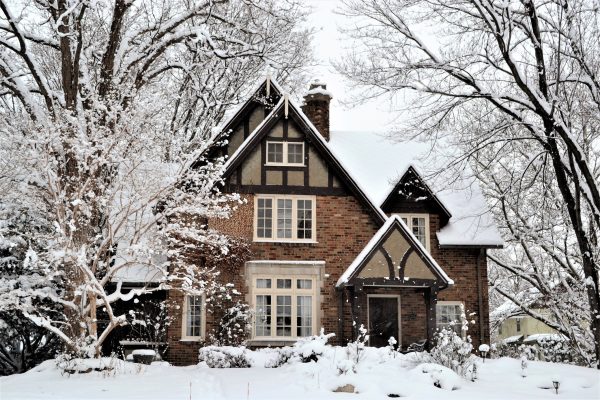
(376, 246)
(396, 202)
(312, 140)
(241, 117)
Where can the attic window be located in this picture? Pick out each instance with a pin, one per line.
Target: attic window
(285, 153)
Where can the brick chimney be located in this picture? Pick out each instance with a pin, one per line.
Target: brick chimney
(316, 107)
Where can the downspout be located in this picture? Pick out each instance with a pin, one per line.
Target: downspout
(341, 316)
(480, 294)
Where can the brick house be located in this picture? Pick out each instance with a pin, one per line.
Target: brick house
(325, 254)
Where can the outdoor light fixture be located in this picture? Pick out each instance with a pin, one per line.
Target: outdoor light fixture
(484, 349)
(556, 383)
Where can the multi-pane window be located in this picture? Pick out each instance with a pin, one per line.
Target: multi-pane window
(263, 315)
(305, 219)
(419, 226)
(284, 315)
(193, 316)
(518, 324)
(295, 153)
(275, 153)
(448, 316)
(285, 218)
(264, 218)
(285, 153)
(284, 307)
(304, 316)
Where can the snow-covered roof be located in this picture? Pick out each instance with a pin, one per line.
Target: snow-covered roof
(293, 107)
(233, 113)
(378, 162)
(545, 337)
(394, 219)
(512, 339)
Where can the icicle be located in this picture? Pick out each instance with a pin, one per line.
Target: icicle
(285, 104)
(268, 84)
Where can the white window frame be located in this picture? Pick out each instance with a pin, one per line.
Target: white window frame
(409, 217)
(184, 335)
(449, 303)
(285, 154)
(294, 237)
(294, 292)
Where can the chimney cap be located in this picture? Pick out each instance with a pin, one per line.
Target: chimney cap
(318, 91)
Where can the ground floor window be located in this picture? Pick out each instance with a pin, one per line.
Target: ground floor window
(448, 316)
(284, 306)
(193, 317)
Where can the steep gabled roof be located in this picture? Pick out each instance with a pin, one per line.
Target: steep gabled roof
(393, 222)
(398, 189)
(377, 161)
(267, 85)
(275, 91)
(313, 135)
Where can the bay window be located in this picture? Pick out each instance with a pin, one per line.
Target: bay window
(284, 307)
(284, 218)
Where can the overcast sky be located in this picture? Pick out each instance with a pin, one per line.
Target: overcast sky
(329, 45)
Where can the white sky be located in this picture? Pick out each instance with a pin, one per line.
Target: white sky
(329, 45)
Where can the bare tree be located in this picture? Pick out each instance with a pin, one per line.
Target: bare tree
(101, 102)
(504, 79)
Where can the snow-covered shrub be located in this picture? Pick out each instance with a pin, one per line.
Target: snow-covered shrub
(344, 366)
(312, 347)
(452, 351)
(283, 356)
(234, 327)
(524, 365)
(392, 346)
(225, 357)
(354, 349)
(557, 350)
(442, 377)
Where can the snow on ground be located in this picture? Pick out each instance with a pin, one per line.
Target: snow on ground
(378, 375)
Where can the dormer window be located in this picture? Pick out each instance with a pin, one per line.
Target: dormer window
(418, 224)
(285, 153)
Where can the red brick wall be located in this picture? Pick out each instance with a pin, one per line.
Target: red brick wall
(461, 266)
(343, 229)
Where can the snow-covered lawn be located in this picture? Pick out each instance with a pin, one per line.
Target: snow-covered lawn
(378, 375)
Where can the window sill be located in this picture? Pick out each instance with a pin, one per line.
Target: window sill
(285, 241)
(192, 340)
(284, 165)
(272, 342)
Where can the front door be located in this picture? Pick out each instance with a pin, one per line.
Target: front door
(383, 320)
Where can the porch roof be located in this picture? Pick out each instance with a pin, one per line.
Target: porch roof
(394, 223)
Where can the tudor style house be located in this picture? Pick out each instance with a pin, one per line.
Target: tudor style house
(344, 231)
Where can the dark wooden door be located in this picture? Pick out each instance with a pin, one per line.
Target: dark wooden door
(383, 320)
